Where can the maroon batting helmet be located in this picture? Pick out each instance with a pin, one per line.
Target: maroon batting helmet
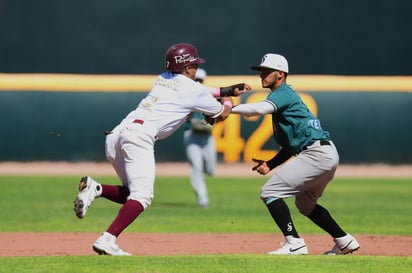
(180, 55)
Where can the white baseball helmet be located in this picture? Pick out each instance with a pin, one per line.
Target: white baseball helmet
(273, 61)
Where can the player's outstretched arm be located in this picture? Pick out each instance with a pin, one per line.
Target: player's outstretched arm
(253, 109)
(234, 90)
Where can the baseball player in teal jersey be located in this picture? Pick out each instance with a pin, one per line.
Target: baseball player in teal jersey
(305, 164)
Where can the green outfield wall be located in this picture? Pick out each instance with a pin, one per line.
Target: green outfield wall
(348, 37)
(367, 125)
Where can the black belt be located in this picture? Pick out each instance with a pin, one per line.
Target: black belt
(322, 143)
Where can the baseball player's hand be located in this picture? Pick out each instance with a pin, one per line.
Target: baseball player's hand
(223, 100)
(228, 104)
(261, 167)
(237, 91)
(234, 90)
(209, 120)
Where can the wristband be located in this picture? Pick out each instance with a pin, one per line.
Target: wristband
(230, 90)
(226, 91)
(228, 103)
(216, 92)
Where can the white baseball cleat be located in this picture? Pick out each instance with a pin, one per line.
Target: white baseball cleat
(88, 191)
(291, 246)
(344, 245)
(106, 245)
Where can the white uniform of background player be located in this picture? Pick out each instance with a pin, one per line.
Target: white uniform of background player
(130, 146)
(200, 150)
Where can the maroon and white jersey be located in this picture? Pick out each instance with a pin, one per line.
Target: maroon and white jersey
(172, 99)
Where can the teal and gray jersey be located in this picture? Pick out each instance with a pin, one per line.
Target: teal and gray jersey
(294, 126)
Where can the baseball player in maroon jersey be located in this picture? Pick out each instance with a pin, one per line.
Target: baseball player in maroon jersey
(305, 164)
(130, 145)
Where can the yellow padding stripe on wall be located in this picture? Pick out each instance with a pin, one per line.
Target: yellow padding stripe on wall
(143, 83)
(75, 82)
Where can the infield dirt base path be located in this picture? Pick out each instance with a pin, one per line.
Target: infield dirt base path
(182, 169)
(73, 244)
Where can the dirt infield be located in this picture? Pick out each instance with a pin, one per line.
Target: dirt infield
(68, 244)
(63, 244)
(182, 169)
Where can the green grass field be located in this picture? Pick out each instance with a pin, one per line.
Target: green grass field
(44, 204)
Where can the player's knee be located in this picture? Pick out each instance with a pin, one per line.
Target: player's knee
(305, 208)
(265, 194)
(145, 201)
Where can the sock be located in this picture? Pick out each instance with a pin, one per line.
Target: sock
(116, 194)
(127, 214)
(321, 217)
(281, 215)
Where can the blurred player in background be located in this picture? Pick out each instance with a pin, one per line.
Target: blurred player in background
(200, 150)
(130, 145)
